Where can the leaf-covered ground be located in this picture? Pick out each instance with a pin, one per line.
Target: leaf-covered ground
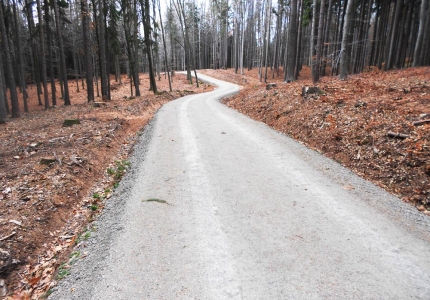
(43, 207)
(351, 121)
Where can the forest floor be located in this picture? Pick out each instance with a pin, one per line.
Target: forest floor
(376, 123)
(55, 179)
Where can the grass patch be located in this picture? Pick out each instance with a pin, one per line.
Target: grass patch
(63, 271)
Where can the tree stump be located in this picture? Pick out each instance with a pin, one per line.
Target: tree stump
(270, 86)
(311, 90)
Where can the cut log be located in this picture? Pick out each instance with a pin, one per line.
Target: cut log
(68, 123)
(397, 135)
(420, 122)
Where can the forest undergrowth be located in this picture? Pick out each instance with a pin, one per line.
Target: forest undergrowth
(375, 123)
(54, 179)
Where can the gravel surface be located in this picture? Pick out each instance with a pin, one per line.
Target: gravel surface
(248, 213)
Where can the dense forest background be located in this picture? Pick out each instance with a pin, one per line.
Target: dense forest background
(89, 41)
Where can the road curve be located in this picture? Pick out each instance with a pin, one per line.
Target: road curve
(250, 214)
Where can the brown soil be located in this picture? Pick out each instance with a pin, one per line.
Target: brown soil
(44, 206)
(351, 121)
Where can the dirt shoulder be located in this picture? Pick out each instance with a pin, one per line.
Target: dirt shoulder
(373, 123)
(54, 179)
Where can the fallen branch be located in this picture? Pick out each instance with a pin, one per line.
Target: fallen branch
(420, 122)
(8, 236)
(397, 135)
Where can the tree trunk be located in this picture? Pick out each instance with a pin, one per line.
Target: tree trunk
(394, 36)
(326, 38)
(312, 40)
(421, 31)
(102, 52)
(66, 95)
(345, 52)
(50, 63)
(298, 59)
(146, 16)
(292, 44)
(164, 46)
(4, 88)
(9, 70)
(33, 49)
(87, 50)
(135, 51)
(3, 111)
(21, 60)
(317, 65)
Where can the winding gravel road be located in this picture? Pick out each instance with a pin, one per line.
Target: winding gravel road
(250, 214)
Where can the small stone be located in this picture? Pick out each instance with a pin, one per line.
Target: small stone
(3, 288)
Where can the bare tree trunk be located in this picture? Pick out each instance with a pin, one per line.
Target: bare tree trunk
(147, 32)
(394, 36)
(421, 31)
(314, 68)
(102, 51)
(50, 63)
(3, 111)
(267, 37)
(43, 60)
(21, 60)
(326, 38)
(33, 48)
(316, 72)
(87, 50)
(62, 56)
(345, 52)
(292, 45)
(3, 89)
(164, 46)
(9, 69)
(135, 50)
(298, 58)
(191, 47)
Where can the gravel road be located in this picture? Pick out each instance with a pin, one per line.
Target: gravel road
(249, 214)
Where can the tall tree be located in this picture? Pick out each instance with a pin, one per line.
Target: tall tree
(87, 49)
(424, 14)
(101, 36)
(292, 44)
(50, 53)
(23, 84)
(345, 51)
(164, 46)
(42, 50)
(146, 16)
(394, 36)
(3, 111)
(312, 53)
(316, 67)
(8, 62)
